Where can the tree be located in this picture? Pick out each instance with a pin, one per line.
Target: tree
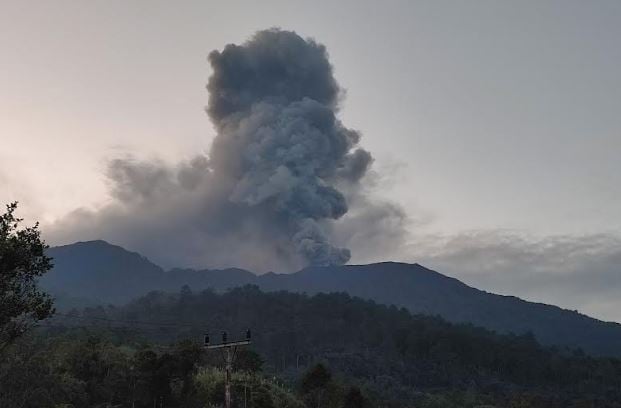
(262, 397)
(315, 384)
(354, 398)
(22, 261)
(248, 360)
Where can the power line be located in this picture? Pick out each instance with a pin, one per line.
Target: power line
(230, 348)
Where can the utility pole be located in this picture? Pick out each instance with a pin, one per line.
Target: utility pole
(230, 351)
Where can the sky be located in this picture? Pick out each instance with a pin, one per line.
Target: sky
(495, 126)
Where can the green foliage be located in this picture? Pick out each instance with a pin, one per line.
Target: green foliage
(249, 390)
(22, 261)
(354, 399)
(389, 352)
(248, 360)
(317, 386)
(317, 378)
(369, 355)
(89, 371)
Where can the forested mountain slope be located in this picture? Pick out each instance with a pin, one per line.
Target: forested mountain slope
(387, 350)
(106, 273)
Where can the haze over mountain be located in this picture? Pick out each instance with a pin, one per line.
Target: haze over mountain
(105, 273)
(502, 168)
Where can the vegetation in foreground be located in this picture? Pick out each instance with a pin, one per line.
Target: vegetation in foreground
(87, 369)
(396, 358)
(22, 262)
(84, 370)
(379, 355)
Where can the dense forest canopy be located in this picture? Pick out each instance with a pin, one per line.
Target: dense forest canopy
(390, 354)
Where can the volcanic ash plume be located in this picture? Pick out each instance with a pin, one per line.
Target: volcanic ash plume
(268, 191)
(273, 101)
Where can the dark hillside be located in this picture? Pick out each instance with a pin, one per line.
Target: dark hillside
(107, 273)
(387, 350)
(422, 290)
(101, 272)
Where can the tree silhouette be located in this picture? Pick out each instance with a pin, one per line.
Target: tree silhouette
(315, 384)
(22, 261)
(354, 398)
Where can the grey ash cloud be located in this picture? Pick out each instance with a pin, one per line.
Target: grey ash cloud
(273, 183)
(275, 67)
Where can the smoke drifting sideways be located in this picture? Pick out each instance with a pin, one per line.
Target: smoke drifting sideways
(280, 171)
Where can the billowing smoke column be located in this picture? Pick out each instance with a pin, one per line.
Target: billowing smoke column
(267, 195)
(273, 101)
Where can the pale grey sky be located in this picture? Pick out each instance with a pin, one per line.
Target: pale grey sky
(482, 115)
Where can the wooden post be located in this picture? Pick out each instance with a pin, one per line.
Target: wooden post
(229, 348)
(227, 377)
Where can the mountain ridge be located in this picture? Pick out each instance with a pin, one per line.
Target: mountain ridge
(109, 274)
